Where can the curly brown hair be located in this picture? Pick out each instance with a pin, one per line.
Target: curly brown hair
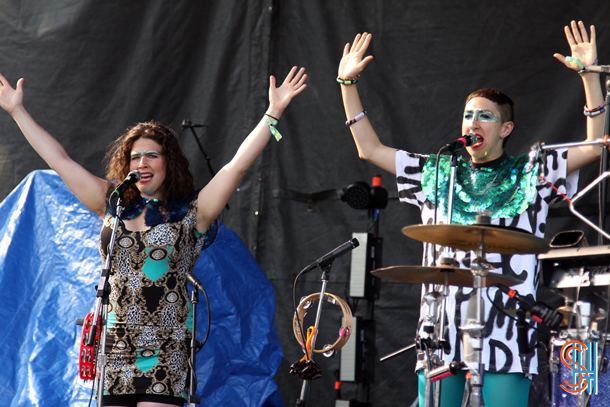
(178, 180)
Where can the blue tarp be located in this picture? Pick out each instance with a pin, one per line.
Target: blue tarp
(49, 265)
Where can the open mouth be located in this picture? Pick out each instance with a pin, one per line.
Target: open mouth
(145, 178)
(479, 141)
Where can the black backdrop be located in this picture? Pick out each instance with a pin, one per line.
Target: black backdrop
(94, 68)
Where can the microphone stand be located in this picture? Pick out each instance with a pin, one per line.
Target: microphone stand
(325, 277)
(187, 123)
(103, 294)
(193, 400)
(433, 397)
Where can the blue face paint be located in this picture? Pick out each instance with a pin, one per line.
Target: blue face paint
(482, 115)
(150, 155)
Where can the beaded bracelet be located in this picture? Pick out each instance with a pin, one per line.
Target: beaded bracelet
(355, 119)
(272, 123)
(348, 81)
(598, 110)
(600, 107)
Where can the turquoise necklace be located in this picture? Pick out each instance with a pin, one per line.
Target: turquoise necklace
(157, 211)
(502, 192)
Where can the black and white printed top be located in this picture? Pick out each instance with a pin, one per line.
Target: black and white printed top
(500, 350)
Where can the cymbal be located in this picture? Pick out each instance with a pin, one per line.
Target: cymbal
(440, 275)
(497, 239)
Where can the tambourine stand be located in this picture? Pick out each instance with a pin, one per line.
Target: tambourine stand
(325, 277)
(103, 294)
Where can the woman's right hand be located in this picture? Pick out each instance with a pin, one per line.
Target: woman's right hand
(353, 62)
(10, 98)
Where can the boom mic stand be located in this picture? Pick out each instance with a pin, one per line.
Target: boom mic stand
(208, 161)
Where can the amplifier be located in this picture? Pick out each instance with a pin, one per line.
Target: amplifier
(576, 267)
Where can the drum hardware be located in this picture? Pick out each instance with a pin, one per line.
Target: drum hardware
(481, 238)
(602, 142)
(498, 239)
(441, 275)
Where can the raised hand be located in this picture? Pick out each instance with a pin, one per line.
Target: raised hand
(279, 98)
(10, 98)
(353, 61)
(583, 49)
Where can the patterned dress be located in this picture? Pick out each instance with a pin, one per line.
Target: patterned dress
(500, 349)
(150, 315)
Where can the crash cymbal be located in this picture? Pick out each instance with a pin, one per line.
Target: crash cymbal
(440, 275)
(497, 239)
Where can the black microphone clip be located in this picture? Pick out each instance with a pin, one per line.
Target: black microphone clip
(540, 311)
(132, 178)
(187, 123)
(195, 282)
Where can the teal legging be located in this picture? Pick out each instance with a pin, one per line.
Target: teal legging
(499, 389)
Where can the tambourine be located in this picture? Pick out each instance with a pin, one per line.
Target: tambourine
(345, 330)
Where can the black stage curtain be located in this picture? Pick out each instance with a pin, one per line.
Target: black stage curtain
(93, 69)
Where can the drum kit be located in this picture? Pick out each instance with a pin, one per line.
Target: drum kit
(579, 323)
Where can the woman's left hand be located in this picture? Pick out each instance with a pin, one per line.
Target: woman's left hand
(582, 48)
(279, 98)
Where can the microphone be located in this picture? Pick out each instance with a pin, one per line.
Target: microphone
(599, 68)
(522, 328)
(131, 178)
(187, 123)
(194, 281)
(541, 312)
(330, 257)
(467, 140)
(533, 157)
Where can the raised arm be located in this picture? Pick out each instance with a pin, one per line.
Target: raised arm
(214, 197)
(584, 54)
(369, 146)
(88, 188)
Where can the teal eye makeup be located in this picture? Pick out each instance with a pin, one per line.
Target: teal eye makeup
(482, 115)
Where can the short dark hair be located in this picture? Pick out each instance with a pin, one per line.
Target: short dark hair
(504, 102)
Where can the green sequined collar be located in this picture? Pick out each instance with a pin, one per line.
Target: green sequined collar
(502, 192)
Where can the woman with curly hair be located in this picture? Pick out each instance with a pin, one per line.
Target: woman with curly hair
(164, 227)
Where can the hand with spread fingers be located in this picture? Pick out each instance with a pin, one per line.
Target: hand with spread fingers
(584, 50)
(279, 98)
(353, 61)
(10, 98)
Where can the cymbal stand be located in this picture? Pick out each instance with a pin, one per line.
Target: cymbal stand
(474, 329)
(432, 398)
(325, 277)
